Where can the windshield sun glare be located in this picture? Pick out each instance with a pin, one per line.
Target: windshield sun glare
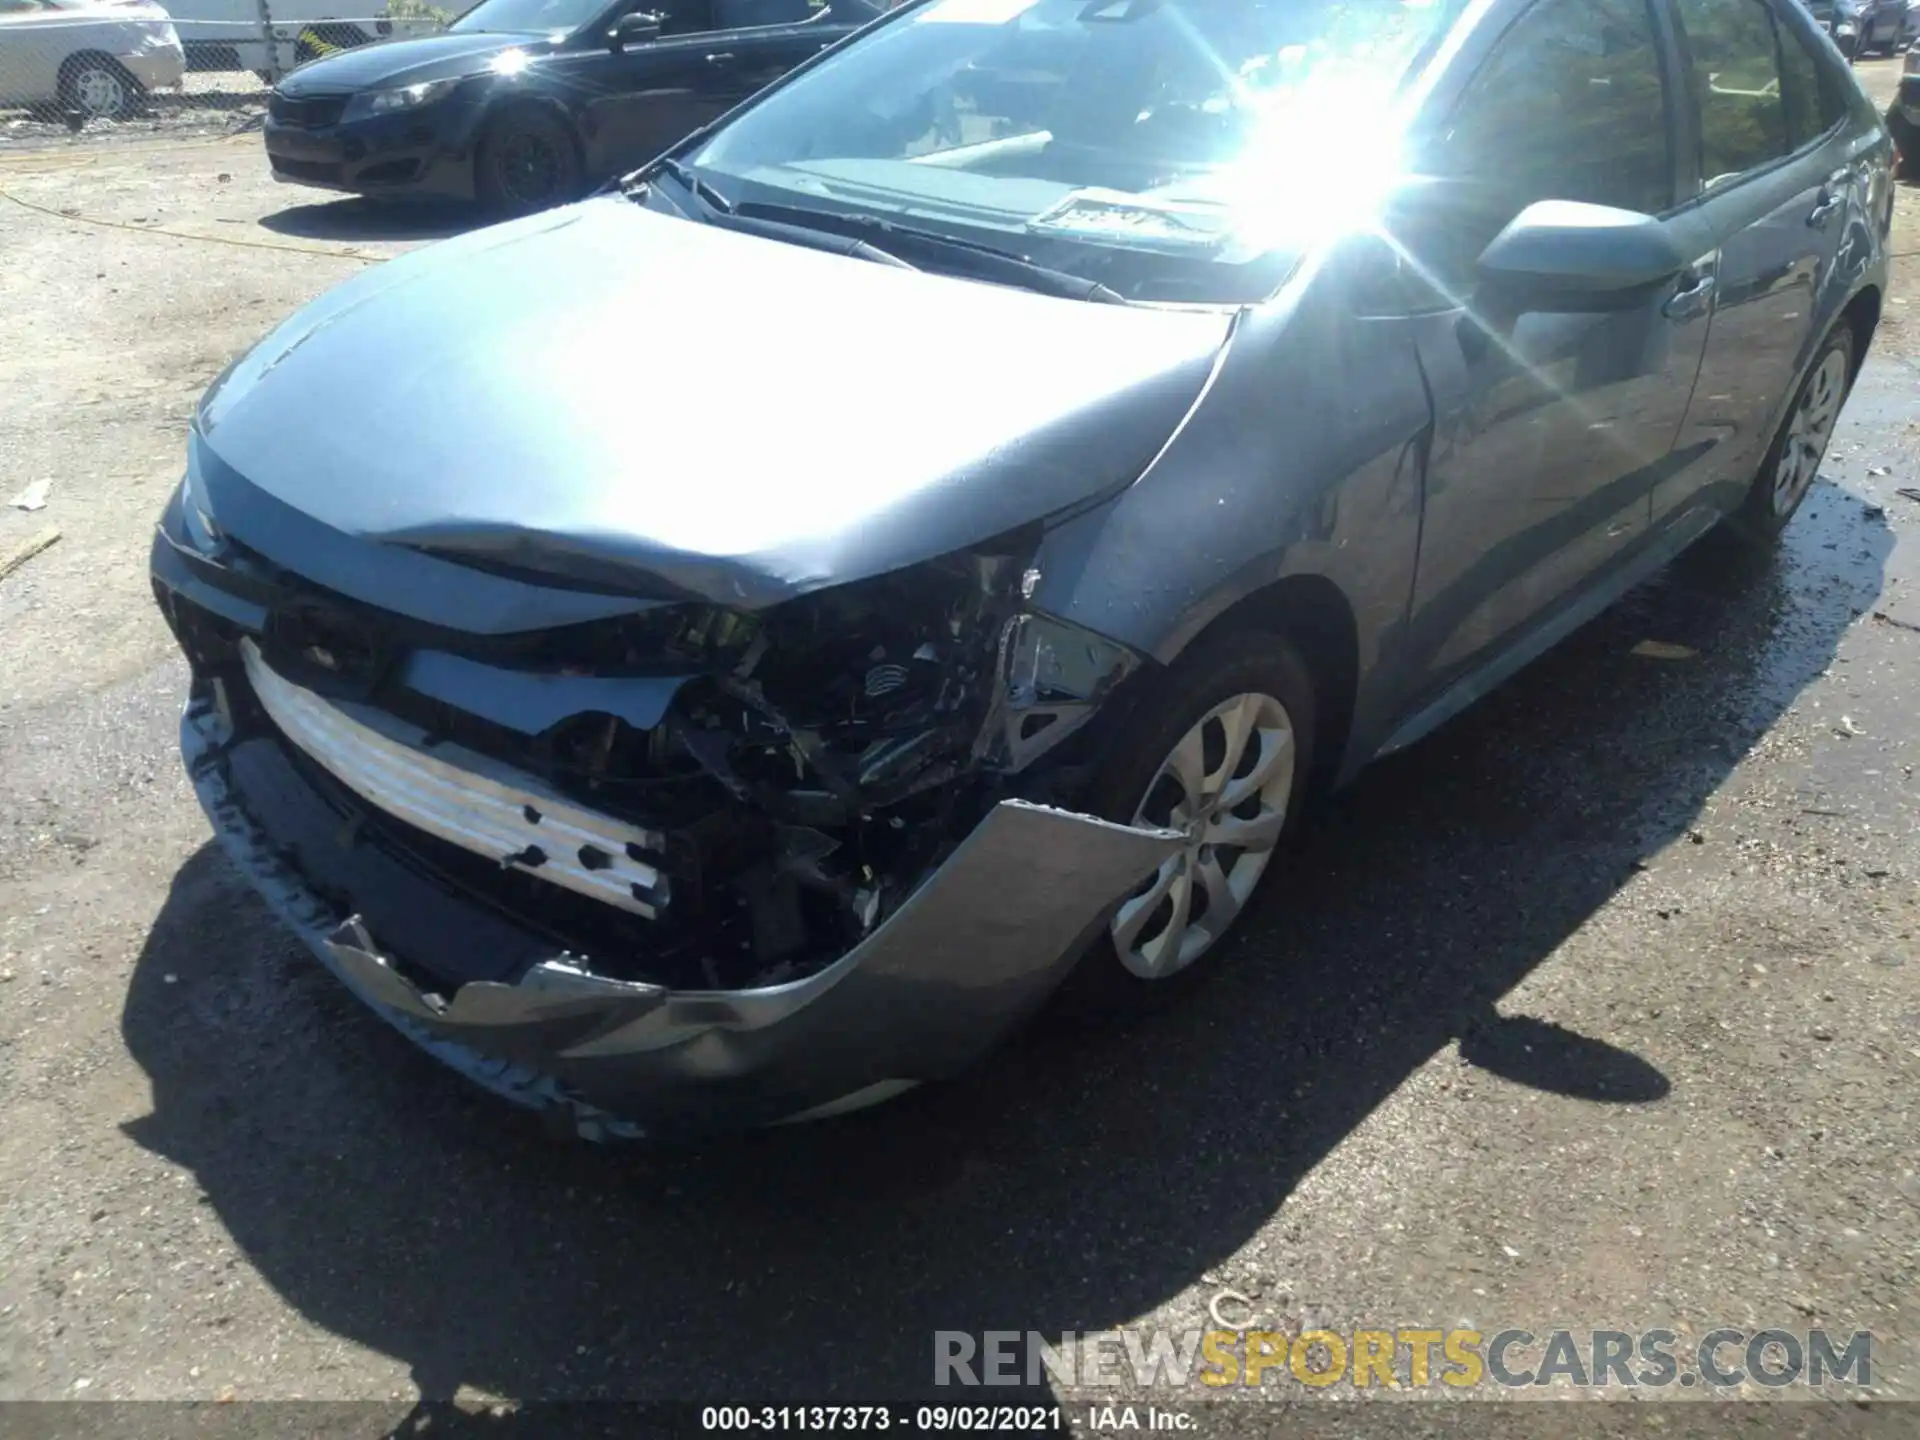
(1169, 149)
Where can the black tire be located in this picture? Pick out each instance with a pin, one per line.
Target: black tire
(99, 87)
(1240, 663)
(1766, 510)
(526, 161)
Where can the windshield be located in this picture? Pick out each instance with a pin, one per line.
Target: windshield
(527, 17)
(1170, 149)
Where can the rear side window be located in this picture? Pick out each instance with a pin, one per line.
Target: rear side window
(1746, 71)
(1814, 101)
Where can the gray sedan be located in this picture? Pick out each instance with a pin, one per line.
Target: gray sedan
(726, 651)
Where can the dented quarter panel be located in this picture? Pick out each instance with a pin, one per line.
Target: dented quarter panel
(967, 956)
(644, 401)
(1305, 459)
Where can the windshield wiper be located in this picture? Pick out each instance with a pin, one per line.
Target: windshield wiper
(684, 176)
(722, 213)
(981, 261)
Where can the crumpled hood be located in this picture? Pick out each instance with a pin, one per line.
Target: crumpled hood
(627, 399)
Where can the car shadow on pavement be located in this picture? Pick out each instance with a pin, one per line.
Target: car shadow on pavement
(1078, 1179)
(356, 218)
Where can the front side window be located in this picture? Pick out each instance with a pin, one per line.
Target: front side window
(1171, 149)
(1737, 83)
(1571, 105)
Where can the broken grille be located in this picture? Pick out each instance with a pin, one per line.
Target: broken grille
(465, 798)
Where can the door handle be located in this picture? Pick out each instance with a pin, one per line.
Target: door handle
(1692, 300)
(723, 57)
(1828, 207)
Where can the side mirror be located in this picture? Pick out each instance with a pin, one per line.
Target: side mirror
(636, 27)
(1566, 249)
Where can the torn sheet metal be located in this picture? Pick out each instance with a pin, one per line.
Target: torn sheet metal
(204, 739)
(1021, 890)
(467, 799)
(973, 951)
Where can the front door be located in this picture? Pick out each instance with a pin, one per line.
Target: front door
(711, 55)
(1552, 425)
(1774, 173)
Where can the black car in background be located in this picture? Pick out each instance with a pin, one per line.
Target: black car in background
(522, 104)
(1864, 28)
(1903, 116)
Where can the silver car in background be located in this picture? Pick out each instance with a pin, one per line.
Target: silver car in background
(95, 58)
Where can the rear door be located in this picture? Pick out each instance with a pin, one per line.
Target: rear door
(1769, 117)
(1552, 424)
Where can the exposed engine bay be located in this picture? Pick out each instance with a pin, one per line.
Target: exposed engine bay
(818, 759)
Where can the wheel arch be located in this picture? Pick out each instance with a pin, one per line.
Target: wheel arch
(70, 66)
(503, 107)
(1316, 617)
(1862, 313)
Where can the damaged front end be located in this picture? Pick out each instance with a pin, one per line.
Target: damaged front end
(682, 867)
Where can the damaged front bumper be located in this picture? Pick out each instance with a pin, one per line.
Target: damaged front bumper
(974, 949)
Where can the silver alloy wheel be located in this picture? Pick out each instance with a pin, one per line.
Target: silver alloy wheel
(1808, 431)
(1226, 785)
(99, 91)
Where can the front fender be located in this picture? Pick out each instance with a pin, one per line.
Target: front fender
(1303, 458)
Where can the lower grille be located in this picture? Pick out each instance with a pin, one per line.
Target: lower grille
(316, 172)
(466, 799)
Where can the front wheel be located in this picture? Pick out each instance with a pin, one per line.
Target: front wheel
(99, 88)
(1221, 753)
(1793, 460)
(527, 161)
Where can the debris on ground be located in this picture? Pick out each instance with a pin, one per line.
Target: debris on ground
(1908, 492)
(1847, 729)
(1662, 650)
(34, 497)
(13, 559)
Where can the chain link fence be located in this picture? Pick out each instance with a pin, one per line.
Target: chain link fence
(71, 66)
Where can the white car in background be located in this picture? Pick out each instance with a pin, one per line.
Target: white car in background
(91, 57)
(229, 34)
